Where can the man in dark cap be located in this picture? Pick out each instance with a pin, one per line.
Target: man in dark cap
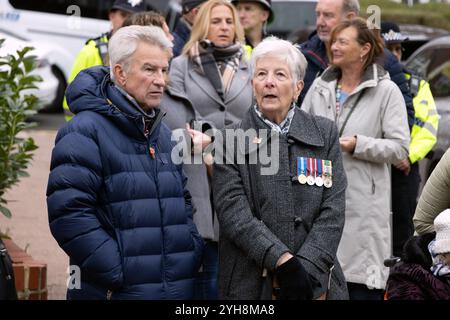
(182, 31)
(95, 52)
(254, 16)
(122, 9)
(405, 176)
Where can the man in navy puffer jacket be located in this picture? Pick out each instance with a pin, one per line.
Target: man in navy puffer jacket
(328, 14)
(117, 204)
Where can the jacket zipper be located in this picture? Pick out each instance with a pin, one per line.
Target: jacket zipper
(152, 152)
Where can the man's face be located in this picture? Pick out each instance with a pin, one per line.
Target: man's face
(166, 30)
(117, 18)
(146, 75)
(328, 15)
(252, 15)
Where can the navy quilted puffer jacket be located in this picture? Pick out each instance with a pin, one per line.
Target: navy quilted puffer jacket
(122, 215)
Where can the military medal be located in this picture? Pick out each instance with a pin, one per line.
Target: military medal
(327, 171)
(301, 170)
(309, 169)
(319, 180)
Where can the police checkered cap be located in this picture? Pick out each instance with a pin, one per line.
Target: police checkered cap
(391, 33)
(130, 6)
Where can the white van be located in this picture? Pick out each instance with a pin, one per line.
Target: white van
(65, 25)
(62, 25)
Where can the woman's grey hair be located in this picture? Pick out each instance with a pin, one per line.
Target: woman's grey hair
(282, 49)
(125, 41)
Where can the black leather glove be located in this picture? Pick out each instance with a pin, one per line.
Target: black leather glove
(295, 283)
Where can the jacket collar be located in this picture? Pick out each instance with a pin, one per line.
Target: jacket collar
(303, 129)
(315, 51)
(372, 75)
(92, 90)
(183, 29)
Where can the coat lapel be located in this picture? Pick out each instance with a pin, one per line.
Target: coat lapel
(304, 129)
(239, 82)
(204, 84)
(252, 125)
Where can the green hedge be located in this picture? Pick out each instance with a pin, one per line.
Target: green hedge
(435, 15)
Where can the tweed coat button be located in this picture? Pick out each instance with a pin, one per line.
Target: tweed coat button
(222, 108)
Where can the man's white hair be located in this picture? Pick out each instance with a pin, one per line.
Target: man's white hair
(281, 49)
(350, 6)
(125, 41)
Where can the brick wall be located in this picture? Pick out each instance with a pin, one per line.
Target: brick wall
(30, 275)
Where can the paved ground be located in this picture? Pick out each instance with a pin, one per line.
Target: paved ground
(28, 226)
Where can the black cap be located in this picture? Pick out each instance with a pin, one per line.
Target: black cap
(130, 6)
(390, 32)
(267, 4)
(188, 5)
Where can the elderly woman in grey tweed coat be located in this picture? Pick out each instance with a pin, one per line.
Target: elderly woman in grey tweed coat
(280, 225)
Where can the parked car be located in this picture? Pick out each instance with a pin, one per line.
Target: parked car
(432, 62)
(66, 25)
(418, 35)
(51, 90)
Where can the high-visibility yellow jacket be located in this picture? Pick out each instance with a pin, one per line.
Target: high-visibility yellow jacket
(94, 53)
(426, 119)
(248, 51)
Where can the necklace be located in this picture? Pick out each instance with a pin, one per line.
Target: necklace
(338, 97)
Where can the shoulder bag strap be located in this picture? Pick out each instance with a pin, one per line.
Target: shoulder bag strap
(351, 111)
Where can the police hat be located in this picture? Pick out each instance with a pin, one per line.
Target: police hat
(130, 6)
(267, 4)
(391, 33)
(188, 5)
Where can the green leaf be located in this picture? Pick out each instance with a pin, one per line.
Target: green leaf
(6, 212)
(16, 105)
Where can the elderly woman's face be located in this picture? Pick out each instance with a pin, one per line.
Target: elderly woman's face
(221, 26)
(346, 49)
(273, 86)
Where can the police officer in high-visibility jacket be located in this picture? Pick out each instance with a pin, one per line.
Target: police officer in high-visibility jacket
(95, 52)
(405, 176)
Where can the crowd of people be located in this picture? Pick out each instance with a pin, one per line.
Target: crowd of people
(338, 117)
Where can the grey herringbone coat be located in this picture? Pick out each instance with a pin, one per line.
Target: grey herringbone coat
(191, 96)
(305, 220)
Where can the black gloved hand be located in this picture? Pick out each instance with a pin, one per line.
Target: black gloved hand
(295, 283)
